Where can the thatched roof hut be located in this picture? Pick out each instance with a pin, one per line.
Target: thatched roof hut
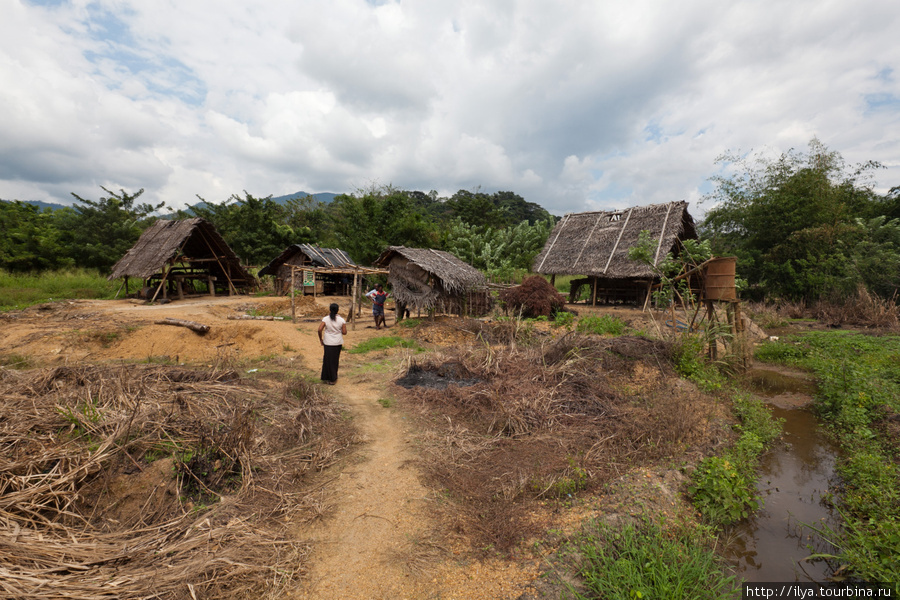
(596, 244)
(428, 279)
(328, 266)
(174, 251)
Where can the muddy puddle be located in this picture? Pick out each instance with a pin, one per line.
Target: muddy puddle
(794, 480)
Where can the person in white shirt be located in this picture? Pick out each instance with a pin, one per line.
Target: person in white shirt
(332, 330)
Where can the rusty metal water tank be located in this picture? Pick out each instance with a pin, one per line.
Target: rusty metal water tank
(720, 279)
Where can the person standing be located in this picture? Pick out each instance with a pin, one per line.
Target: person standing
(378, 296)
(332, 330)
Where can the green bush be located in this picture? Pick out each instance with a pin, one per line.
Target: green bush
(722, 492)
(563, 319)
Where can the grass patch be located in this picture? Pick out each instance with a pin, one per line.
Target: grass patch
(16, 361)
(384, 343)
(409, 323)
(650, 561)
(858, 379)
(22, 290)
(386, 402)
(602, 325)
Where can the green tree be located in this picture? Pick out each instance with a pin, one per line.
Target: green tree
(30, 241)
(497, 251)
(257, 229)
(98, 233)
(367, 222)
(792, 221)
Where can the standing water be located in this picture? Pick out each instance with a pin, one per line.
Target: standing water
(794, 479)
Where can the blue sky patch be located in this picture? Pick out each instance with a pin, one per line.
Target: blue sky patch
(881, 102)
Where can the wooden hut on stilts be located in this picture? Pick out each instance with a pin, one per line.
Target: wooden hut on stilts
(180, 258)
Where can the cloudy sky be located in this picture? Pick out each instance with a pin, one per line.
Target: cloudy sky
(573, 104)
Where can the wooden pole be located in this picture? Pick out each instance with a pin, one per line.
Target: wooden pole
(161, 283)
(293, 305)
(353, 299)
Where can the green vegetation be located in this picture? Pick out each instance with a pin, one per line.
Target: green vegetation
(805, 226)
(384, 343)
(409, 323)
(386, 402)
(602, 325)
(690, 363)
(19, 290)
(723, 487)
(16, 361)
(858, 389)
(651, 561)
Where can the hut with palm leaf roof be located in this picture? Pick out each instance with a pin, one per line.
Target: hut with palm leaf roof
(596, 244)
(434, 281)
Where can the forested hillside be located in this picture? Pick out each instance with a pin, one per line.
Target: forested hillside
(499, 233)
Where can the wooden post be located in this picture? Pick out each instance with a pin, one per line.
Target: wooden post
(179, 286)
(211, 282)
(293, 305)
(713, 342)
(353, 299)
(594, 293)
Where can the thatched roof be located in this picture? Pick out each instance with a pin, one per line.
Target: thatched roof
(597, 243)
(319, 257)
(195, 238)
(456, 276)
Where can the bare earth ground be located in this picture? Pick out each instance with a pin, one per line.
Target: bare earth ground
(378, 536)
(375, 541)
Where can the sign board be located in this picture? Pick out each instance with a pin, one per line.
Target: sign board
(309, 278)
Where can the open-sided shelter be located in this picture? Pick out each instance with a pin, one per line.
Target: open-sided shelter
(434, 280)
(596, 244)
(328, 270)
(182, 257)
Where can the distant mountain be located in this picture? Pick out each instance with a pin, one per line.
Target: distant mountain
(42, 205)
(325, 197)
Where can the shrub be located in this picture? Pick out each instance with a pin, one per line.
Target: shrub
(534, 298)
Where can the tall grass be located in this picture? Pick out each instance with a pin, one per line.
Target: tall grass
(21, 290)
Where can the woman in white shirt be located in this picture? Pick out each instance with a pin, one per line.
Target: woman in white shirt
(332, 330)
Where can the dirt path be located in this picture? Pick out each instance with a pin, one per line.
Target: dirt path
(380, 538)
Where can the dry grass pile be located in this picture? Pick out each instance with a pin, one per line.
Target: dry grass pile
(860, 310)
(139, 481)
(550, 422)
(534, 298)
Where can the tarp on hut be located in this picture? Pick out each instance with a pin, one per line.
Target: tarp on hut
(597, 243)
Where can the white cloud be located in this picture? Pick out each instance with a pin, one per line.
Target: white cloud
(576, 105)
